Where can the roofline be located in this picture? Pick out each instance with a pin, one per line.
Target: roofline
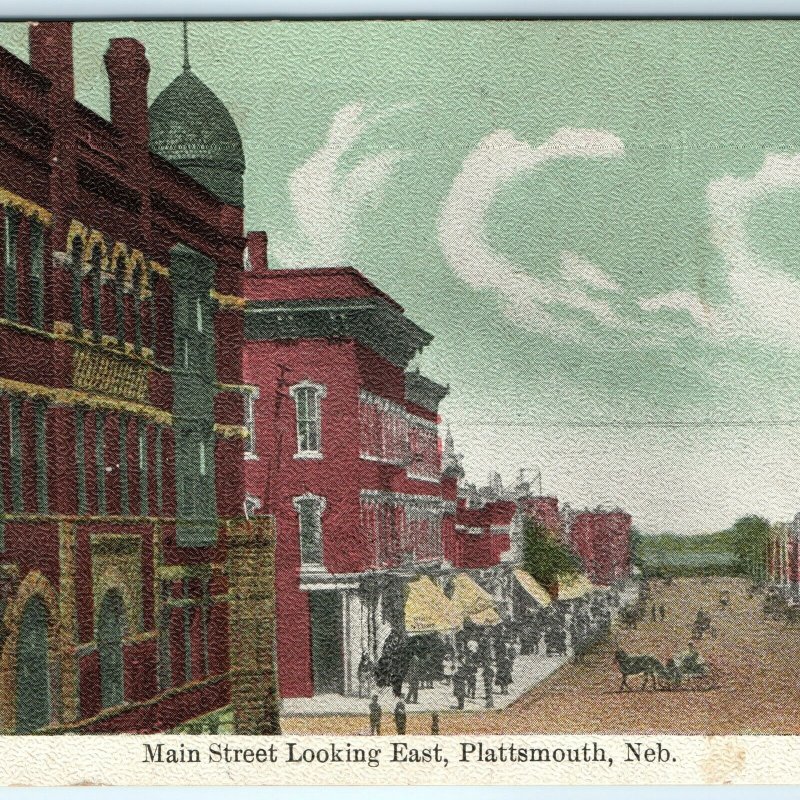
(338, 270)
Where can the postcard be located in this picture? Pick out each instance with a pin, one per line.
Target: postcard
(399, 402)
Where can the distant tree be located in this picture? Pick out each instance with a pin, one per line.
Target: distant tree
(749, 538)
(637, 557)
(544, 557)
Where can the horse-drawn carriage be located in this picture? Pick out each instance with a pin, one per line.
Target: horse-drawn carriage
(687, 671)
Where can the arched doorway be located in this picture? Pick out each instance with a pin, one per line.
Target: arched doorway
(32, 671)
(110, 630)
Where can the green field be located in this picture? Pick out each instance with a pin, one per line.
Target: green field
(672, 554)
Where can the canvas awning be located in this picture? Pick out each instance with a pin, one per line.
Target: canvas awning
(428, 609)
(533, 587)
(475, 602)
(572, 587)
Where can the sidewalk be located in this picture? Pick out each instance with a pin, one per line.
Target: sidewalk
(528, 671)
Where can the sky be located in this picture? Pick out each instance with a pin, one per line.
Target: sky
(597, 221)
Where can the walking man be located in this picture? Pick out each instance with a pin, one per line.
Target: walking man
(375, 714)
(435, 723)
(488, 681)
(459, 687)
(400, 717)
(413, 676)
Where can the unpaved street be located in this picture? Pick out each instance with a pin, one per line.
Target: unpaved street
(757, 660)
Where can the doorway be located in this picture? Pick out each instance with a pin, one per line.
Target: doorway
(327, 655)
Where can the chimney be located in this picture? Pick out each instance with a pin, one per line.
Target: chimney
(257, 251)
(50, 52)
(128, 71)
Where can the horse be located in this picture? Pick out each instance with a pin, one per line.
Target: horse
(649, 666)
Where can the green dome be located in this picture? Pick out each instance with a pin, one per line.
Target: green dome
(191, 128)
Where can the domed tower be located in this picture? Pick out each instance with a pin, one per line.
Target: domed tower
(191, 128)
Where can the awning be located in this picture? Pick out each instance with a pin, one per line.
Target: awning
(533, 587)
(571, 587)
(428, 609)
(475, 602)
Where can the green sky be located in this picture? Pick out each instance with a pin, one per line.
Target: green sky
(549, 364)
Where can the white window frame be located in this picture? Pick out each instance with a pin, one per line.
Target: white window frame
(319, 504)
(318, 392)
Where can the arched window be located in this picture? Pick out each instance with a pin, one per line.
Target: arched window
(76, 253)
(119, 299)
(137, 309)
(32, 671)
(110, 630)
(95, 281)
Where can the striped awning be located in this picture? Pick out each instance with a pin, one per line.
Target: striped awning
(476, 604)
(571, 587)
(533, 587)
(428, 609)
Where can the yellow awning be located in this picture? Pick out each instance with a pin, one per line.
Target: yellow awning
(428, 609)
(475, 602)
(533, 587)
(573, 586)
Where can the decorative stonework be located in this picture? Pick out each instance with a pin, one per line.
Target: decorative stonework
(251, 579)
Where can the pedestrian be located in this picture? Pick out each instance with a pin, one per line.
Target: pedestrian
(472, 678)
(654, 612)
(400, 717)
(448, 668)
(663, 613)
(365, 669)
(503, 678)
(435, 723)
(375, 714)
(413, 676)
(459, 687)
(488, 682)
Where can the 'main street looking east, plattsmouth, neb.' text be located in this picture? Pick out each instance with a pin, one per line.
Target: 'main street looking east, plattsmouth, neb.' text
(399, 752)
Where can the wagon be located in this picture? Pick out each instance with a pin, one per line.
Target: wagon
(679, 675)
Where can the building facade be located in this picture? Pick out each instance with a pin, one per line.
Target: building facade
(344, 453)
(602, 540)
(121, 432)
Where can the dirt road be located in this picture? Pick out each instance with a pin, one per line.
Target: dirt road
(758, 661)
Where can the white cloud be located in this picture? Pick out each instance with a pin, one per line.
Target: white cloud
(575, 268)
(496, 159)
(326, 199)
(764, 300)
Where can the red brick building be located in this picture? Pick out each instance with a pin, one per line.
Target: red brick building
(344, 452)
(602, 540)
(120, 401)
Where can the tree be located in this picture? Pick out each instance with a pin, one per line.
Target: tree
(545, 558)
(749, 539)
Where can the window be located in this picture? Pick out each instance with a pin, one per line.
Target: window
(125, 504)
(80, 457)
(40, 428)
(37, 273)
(202, 459)
(249, 395)
(96, 284)
(15, 447)
(198, 312)
(141, 435)
(109, 634)
(310, 508)
(119, 300)
(10, 230)
(76, 297)
(100, 459)
(307, 398)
